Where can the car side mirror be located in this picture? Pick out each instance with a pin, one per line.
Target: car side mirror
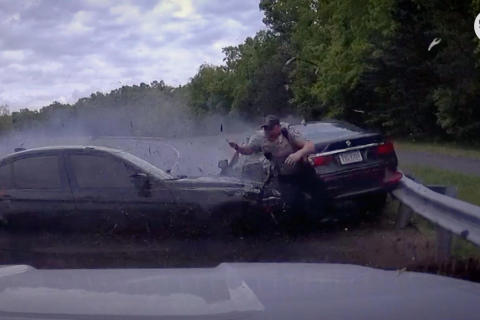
(139, 175)
(139, 179)
(223, 164)
(142, 183)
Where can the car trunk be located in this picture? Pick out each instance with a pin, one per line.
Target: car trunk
(354, 163)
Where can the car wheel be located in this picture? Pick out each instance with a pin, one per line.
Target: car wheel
(3, 222)
(372, 205)
(236, 220)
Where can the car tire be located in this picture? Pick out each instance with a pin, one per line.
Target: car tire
(4, 222)
(236, 220)
(373, 205)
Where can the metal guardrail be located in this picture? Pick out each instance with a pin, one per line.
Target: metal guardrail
(438, 205)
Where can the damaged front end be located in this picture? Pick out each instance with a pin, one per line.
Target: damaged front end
(266, 197)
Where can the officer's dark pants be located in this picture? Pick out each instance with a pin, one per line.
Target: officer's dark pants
(254, 172)
(294, 187)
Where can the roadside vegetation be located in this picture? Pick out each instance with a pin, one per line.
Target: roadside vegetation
(456, 150)
(468, 187)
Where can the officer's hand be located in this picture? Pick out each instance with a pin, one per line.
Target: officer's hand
(293, 158)
(232, 144)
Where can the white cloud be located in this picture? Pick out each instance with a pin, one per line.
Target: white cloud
(15, 55)
(56, 49)
(125, 13)
(79, 23)
(101, 3)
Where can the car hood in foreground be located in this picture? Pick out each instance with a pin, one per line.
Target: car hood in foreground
(240, 291)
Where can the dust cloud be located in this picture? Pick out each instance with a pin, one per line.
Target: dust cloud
(185, 143)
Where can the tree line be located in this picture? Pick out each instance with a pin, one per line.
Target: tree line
(369, 62)
(406, 67)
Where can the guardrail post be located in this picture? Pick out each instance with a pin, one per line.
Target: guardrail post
(444, 244)
(5, 244)
(443, 236)
(405, 215)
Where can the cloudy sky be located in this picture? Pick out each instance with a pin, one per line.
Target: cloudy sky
(64, 50)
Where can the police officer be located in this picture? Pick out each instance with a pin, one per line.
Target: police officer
(285, 147)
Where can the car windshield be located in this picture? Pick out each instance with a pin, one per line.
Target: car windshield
(127, 141)
(149, 168)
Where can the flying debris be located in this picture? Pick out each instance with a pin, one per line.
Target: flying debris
(131, 123)
(290, 61)
(359, 111)
(221, 128)
(434, 43)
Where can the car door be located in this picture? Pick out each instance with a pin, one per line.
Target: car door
(103, 188)
(101, 183)
(40, 187)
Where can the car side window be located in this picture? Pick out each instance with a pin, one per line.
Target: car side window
(100, 172)
(6, 181)
(42, 172)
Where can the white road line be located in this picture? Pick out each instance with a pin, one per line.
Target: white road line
(157, 140)
(176, 151)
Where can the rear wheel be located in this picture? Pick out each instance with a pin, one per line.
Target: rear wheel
(238, 220)
(373, 205)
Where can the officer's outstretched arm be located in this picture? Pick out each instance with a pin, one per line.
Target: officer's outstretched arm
(242, 149)
(306, 147)
(245, 149)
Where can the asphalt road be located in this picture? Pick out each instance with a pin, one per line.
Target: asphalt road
(199, 156)
(196, 156)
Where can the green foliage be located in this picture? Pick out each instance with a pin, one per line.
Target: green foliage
(5, 119)
(425, 94)
(365, 61)
(336, 37)
(251, 82)
(210, 90)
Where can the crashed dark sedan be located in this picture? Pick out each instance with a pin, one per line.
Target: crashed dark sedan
(79, 184)
(353, 163)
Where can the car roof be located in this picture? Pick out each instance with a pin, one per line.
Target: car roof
(40, 150)
(331, 125)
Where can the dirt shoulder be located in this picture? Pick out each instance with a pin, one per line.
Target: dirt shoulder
(379, 244)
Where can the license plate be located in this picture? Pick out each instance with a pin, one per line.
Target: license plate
(350, 157)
